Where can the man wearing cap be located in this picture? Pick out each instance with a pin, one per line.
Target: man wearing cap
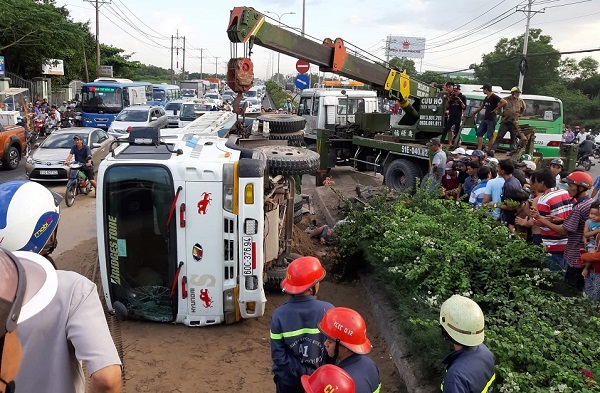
(455, 105)
(573, 226)
(297, 346)
(511, 112)
(82, 154)
(478, 156)
(438, 162)
(492, 104)
(458, 153)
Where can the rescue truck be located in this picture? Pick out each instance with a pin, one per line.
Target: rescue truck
(193, 227)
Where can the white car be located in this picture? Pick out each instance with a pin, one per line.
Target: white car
(172, 109)
(138, 116)
(216, 97)
(254, 105)
(191, 110)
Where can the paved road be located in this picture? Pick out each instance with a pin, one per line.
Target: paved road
(267, 102)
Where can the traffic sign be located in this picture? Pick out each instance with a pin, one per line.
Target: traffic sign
(302, 81)
(302, 66)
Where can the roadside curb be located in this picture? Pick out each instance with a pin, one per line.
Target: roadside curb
(385, 318)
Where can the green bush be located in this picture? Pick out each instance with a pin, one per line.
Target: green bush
(277, 94)
(423, 250)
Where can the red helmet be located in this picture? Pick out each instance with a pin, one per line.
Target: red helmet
(347, 326)
(580, 179)
(302, 274)
(328, 378)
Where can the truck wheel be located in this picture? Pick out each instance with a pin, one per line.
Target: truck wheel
(298, 216)
(290, 160)
(283, 123)
(296, 136)
(298, 202)
(401, 174)
(11, 158)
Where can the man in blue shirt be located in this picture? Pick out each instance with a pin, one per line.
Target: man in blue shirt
(471, 366)
(82, 154)
(348, 345)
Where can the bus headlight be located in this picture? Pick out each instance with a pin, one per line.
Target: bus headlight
(228, 189)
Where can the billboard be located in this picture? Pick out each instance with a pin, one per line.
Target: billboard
(53, 67)
(411, 47)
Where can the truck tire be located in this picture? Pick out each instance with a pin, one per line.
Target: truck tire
(296, 136)
(11, 158)
(401, 175)
(298, 216)
(283, 123)
(298, 202)
(290, 160)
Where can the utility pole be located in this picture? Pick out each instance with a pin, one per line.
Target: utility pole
(303, 15)
(201, 76)
(97, 4)
(216, 65)
(279, 16)
(172, 72)
(523, 63)
(183, 67)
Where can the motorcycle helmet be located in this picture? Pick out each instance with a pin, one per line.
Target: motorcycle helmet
(515, 90)
(302, 274)
(589, 137)
(526, 157)
(579, 178)
(557, 161)
(463, 320)
(29, 216)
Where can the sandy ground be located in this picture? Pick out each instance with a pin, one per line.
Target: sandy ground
(174, 358)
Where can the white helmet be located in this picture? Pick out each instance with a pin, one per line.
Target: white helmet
(29, 216)
(463, 320)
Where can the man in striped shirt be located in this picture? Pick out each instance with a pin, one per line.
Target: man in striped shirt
(555, 205)
(476, 197)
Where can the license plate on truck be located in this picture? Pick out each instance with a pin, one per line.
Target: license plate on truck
(48, 172)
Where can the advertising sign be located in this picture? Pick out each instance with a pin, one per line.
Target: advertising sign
(2, 67)
(53, 67)
(105, 70)
(411, 47)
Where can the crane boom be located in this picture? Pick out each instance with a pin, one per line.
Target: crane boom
(248, 25)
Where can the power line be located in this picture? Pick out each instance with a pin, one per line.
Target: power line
(132, 13)
(129, 34)
(133, 26)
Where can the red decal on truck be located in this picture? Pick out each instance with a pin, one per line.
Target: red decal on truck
(253, 255)
(204, 202)
(206, 298)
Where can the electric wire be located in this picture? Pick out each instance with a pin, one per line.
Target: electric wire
(115, 13)
(132, 13)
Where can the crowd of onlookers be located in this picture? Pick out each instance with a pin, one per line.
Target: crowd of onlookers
(544, 206)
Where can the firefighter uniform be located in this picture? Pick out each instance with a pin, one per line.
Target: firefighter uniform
(470, 369)
(363, 371)
(297, 345)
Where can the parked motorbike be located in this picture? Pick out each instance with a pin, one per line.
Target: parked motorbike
(585, 161)
(78, 183)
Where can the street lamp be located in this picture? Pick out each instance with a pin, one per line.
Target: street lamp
(279, 16)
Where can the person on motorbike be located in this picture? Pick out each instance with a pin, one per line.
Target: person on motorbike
(586, 147)
(53, 120)
(82, 154)
(63, 108)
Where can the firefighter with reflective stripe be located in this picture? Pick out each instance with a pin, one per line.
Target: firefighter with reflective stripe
(470, 368)
(348, 345)
(297, 345)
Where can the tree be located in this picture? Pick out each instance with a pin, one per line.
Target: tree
(588, 67)
(122, 67)
(404, 64)
(34, 31)
(568, 68)
(501, 67)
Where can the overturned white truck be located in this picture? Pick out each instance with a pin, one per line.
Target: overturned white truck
(193, 227)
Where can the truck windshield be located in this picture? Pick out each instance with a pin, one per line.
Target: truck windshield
(140, 246)
(158, 95)
(188, 111)
(188, 92)
(101, 99)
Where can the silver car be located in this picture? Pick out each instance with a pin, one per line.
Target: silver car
(173, 108)
(45, 163)
(138, 116)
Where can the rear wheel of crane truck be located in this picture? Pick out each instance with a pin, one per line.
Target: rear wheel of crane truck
(401, 175)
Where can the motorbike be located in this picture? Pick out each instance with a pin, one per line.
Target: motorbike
(585, 161)
(78, 183)
(40, 126)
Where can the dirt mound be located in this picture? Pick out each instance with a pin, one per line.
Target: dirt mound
(302, 243)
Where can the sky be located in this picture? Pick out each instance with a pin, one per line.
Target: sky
(457, 32)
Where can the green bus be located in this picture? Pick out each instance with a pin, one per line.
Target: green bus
(542, 112)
